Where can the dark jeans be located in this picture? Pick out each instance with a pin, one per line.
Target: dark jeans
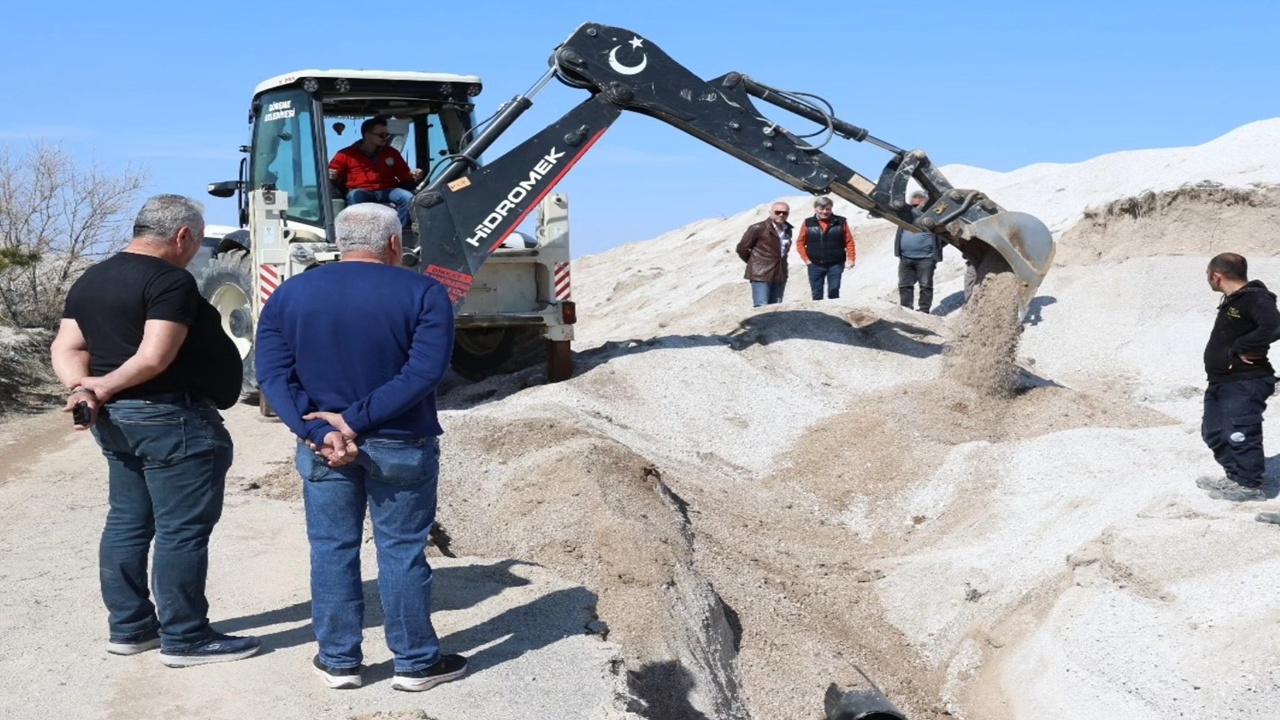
(167, 468)
(831, 273)
(397, 196)
(912, 271)
(396, 479)
(1232, 426)
(766, 293)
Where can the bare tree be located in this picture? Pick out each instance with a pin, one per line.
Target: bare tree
(56, 218)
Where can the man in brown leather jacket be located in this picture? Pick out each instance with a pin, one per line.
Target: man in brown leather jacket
(764, 247)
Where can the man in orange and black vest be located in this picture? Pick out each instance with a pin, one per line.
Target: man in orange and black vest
(826, 246)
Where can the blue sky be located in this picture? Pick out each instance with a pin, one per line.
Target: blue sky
(992, 84)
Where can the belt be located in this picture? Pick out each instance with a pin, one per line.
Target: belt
(185, 398)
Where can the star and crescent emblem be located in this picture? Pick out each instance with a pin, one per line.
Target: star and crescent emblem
(636, 44)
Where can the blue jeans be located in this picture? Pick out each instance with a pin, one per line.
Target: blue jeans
(830, 273)
(398, 196)
(1232, 426)
(167, 468)
(397, 480)
(766, 293)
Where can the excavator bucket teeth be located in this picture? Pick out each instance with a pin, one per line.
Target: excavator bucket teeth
(1024, 243)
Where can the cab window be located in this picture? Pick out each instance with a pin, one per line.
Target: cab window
(285, 153)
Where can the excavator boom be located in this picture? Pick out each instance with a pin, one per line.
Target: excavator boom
(466, 211)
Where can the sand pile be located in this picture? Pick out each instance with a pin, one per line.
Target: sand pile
(767, 500)
(1201, 219)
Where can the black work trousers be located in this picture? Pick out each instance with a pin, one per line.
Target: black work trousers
(1232, 426)
(912, 271)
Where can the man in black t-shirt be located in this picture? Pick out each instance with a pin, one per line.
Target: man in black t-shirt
(146, 353)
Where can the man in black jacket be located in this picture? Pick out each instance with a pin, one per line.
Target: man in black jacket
(1240, 376)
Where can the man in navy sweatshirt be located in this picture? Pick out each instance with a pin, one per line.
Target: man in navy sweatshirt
(1240, 376)
(349, 354)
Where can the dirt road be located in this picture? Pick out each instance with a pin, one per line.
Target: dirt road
(523, 629)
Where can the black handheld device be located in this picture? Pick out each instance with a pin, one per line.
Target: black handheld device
(80, 414)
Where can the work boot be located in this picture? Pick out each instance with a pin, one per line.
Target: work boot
(1268, 517)
(1216, 484)
(1240, 493)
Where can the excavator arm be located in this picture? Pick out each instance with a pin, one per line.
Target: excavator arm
(466, 211)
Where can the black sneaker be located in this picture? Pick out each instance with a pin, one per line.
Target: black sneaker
(1240, 493)
(216, 648)
(149, 640)
(448, 667)
(337, 678)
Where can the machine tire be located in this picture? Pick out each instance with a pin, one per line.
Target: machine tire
(228, 285)
(559, 361)
(479, 353)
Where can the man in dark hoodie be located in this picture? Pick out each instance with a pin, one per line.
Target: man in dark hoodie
(1240, 376)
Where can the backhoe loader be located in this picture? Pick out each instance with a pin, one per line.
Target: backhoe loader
(466, 211)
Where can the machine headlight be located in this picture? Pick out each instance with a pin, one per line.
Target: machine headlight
(342, 84)
(311, 85)
(473, 90)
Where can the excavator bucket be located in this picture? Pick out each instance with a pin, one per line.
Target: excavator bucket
(1022, 244)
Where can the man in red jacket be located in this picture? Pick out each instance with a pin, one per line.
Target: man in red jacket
(373, 171)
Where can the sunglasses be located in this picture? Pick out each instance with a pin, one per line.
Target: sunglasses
(781, 212)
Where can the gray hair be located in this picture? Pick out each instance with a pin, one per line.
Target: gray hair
(162, 216)
(366, 227)
(822, 202)
(919, 194)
